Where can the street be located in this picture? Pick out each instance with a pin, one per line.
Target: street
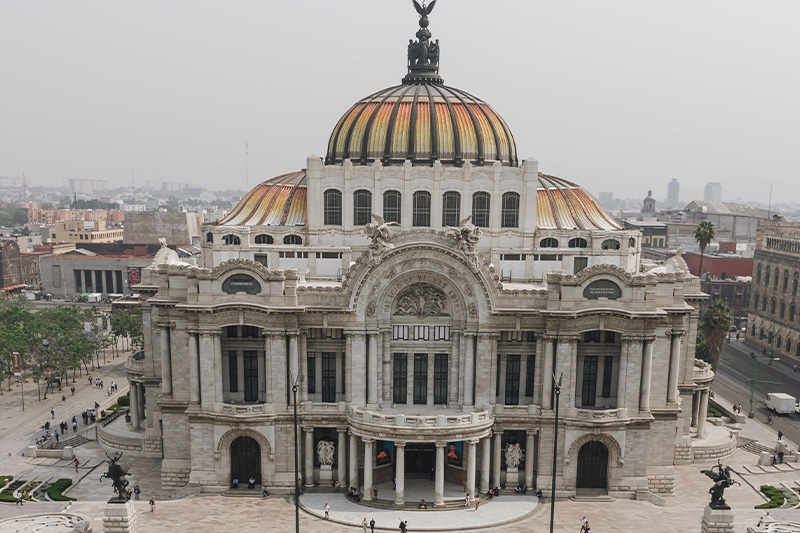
(733, 382)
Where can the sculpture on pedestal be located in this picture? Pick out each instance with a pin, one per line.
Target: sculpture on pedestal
(325, 452)
(722, 480)
(378, 232)
(117, 476)
(514, 455)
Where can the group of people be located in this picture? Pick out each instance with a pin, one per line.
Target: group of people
(251, 483)
(737, 408)
(584, 525)
(467, 501)
(370, 524)
(521, 489)
(353, 494)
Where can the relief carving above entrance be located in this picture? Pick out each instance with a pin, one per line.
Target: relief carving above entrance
(422, 300)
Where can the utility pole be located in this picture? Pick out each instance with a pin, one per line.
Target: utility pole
(754, 381)
(557, 392)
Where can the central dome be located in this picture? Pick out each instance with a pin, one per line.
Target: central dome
(423, 123)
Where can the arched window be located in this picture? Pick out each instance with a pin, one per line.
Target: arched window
(264, 239)
(293, 239)
(753, 330)
(362, 207)
(391, 206)
(777, 275)
(794, 285)
(549, 242)
(755, 302)
(789, 345)
(783, 309)
(764, 304)
(480, 209)
(785, 280)
(422, 209)
(631, 243)
(778, 341)
(758, 274)
(610, 244)
(791, 313)
(510, 210)
(451, 208)
(766, 278)
(209, 237)
(772, 306)
(333, 207)
(231, 240)
(578, 242)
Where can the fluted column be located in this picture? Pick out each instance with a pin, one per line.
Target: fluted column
(207, 378)
(309, 456)
(400, 473)
(452, 386)
(702, 415)
(294, 363)
(497, 449)
(438, 493)
(695, 408)
(469, 370)
(387, 367)
(166, 363)
(303, 359)
(368, 456)
(372, 368)
(217, 338)
(194, 368)
(674, 364)
(486, 463)
(647, 370)
(547, 373)
(134, 403)
(622, 374)
(529, 455)
(353, 478)
(471, 460)
(341, 452)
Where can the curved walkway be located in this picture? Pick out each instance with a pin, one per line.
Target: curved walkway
(53, 523)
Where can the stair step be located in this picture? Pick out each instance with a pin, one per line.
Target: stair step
(73, 441)
(757, 448)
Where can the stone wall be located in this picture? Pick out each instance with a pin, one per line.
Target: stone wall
(117, 443)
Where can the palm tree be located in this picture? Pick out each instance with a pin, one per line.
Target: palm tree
(704, 233)
(715, 325)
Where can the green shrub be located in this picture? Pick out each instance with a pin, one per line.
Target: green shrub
(714, 412)
(776, 497)
(4, 480)
(124, 401)
(54, 492)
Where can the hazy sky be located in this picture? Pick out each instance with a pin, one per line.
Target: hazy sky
(616, 95)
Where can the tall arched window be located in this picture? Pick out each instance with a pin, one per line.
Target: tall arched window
(480, 209)
(789, 345)
(785, 280)
(578, 242)
(362, 207)
(333, 207)
(231, 240)
(772, 306)
(777, 275)
(510, 210)
(794, 285)
(549, 242)
(392, 206)
(422, 208)
(451, 208)
(791, 313)
(264, 239)
(293, 239)
(764, 304)
(758, 274)
(209, 237)
(783, 309)
(611, 244)
(766, 278)
(755, 302)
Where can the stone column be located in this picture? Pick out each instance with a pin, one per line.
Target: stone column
(294, 364)
(134, 403)
(387, 367)
(358, 369)
(647, 366)
(674, 363)
(547, 373)
(529, 455)
(471, 460)
(309, 455)
(496, 458)
(368, 469)
(622, 373)
(341, 454)
(429, 385)
(303, 359)
(400, 473)
(348, 368)
(194, 369)
(217, 337)
(372, 369)
(469, 370)
(702, 415)
(166, 363)
(695, 408)
(438, 498)
(452, 386)
(353, 478)
(486, 461)
(501, 397)
(207, 370)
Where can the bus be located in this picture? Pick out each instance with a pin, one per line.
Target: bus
(127, 304)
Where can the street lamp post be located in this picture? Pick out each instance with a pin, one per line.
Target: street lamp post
(753, 382)
(296, 465)
(557, 392)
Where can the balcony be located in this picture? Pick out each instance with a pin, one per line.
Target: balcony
(419, 423)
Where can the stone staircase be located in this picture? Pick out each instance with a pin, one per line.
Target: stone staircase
(75, 441)
(756, 448)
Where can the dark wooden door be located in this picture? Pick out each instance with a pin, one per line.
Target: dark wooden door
(593, 466)
(245, 459)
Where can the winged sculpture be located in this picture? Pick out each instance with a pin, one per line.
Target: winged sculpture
(722, 480)
(422, 10)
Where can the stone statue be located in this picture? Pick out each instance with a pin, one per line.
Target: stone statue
(325, 452)
(676, 263)
(423, 55)
(421, 300)
(514, 455)
(424, 12)
(467, 234)
(380, 235)
(722, 480)
(117, 476)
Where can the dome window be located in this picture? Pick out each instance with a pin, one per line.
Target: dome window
(451, 208)
(392, 206)
(578, 242)
(333, 207)
(293, 240)
(264, 239)
(362, 207)
(422, 208)
(549, 242)
(611, 244)
(511, 210)
(480, 209)
(210, 237)
(231, 240)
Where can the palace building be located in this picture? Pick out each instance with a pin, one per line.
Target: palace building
(418, 293)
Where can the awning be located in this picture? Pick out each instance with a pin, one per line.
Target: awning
(13, 287)
(85, 294)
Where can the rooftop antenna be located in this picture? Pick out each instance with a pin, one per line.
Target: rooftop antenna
(769, 206)
(246, 170)
(133, 180)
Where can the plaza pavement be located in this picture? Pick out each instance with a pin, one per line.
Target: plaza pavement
(215, 513)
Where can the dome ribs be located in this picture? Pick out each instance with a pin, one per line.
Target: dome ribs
(412, 129)
(454, 124)
(476, 127)
(387, 152)
(434, 129)
(368, 129)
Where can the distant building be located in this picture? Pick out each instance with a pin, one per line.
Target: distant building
(17, 268)
(83, 187)
(80, 271)
(673, 193)
(737, 220)
(713, 192)
(85, 231)
(51, 216)
(654, 234)
(734, 292)
(607, 199)
(719, 266)
(148, 226)
(649, 206)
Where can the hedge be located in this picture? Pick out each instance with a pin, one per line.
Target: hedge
(54, 492)
(124, 401)
(776, 497)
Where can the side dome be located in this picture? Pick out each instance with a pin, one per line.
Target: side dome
(562, 204)
(279, 201)
(422, 122)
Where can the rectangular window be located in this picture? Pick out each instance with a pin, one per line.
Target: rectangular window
(232, 331)
(391, 206)
(451, 208)
(400, 333)
(422, 208)
(261, 258)
(421, 333)
(513, 257)
(249, 332)
(589, 390)
(512, 379)
(250, 376)
(233, 371)
(608, 363)
(441, 333)
(312, 373)
(579, 264)
(400, 382)
(328, 377)
(329, 255)
(420, 378)
(530, 369)
(440, 379)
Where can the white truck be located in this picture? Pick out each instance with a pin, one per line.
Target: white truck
(781, 403)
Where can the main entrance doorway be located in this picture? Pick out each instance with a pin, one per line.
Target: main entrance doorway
(245, 459)
(592, 466)
(420, 460)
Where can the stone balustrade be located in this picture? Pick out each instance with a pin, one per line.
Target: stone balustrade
(599, 414)
(419, 427)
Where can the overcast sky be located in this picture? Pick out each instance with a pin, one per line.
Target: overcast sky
(616, 95)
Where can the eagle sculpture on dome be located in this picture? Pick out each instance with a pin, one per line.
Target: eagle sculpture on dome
(422, 10)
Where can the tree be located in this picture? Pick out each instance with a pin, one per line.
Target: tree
(715, 324)
(704, 233)
(15, 318)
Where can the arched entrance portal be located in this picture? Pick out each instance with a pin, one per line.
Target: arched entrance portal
(592, 466)
(245, 459)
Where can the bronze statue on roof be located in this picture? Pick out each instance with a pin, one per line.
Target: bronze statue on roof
(423, 54)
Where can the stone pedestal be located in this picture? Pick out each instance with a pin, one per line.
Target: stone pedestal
(717, 520)
(325, 475)
(119, 517)
(512, 478)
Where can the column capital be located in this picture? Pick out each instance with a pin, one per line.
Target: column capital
(474, 442)
(359, 333)
(675, 332)
(367, 440)
(308, 429)
(193, 330)
(547, 336)
(341, 430)
(569, 337)
(633, 338)
(169, 324)
(373, 332)
(400, 443)
(441, 444)
(273, 333)
(488, 335)
(292, 332)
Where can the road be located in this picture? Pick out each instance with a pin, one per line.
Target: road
(733, 382)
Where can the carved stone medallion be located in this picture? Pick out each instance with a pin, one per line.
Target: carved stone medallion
(421, 300)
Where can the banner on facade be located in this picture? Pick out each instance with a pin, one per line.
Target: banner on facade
(134, 275)
(17, 366)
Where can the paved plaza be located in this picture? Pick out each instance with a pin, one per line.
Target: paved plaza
(212, 513)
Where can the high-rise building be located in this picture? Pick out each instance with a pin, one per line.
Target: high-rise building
(607, 199)
(713, 192)
(673, 192)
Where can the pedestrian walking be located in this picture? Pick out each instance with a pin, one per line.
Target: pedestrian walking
(76, 466)
(584, 524)
(364, 524)
(780, 435)
(136, 491)
(72, 390)
(372, 525)
(52, 413)
(152, 504)
(90, 380)
(403, 525)
(466, 500)
(477, 502)
(327, 509)
(63, 399)
(19, 499)
(74, 426)
(56, 435)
